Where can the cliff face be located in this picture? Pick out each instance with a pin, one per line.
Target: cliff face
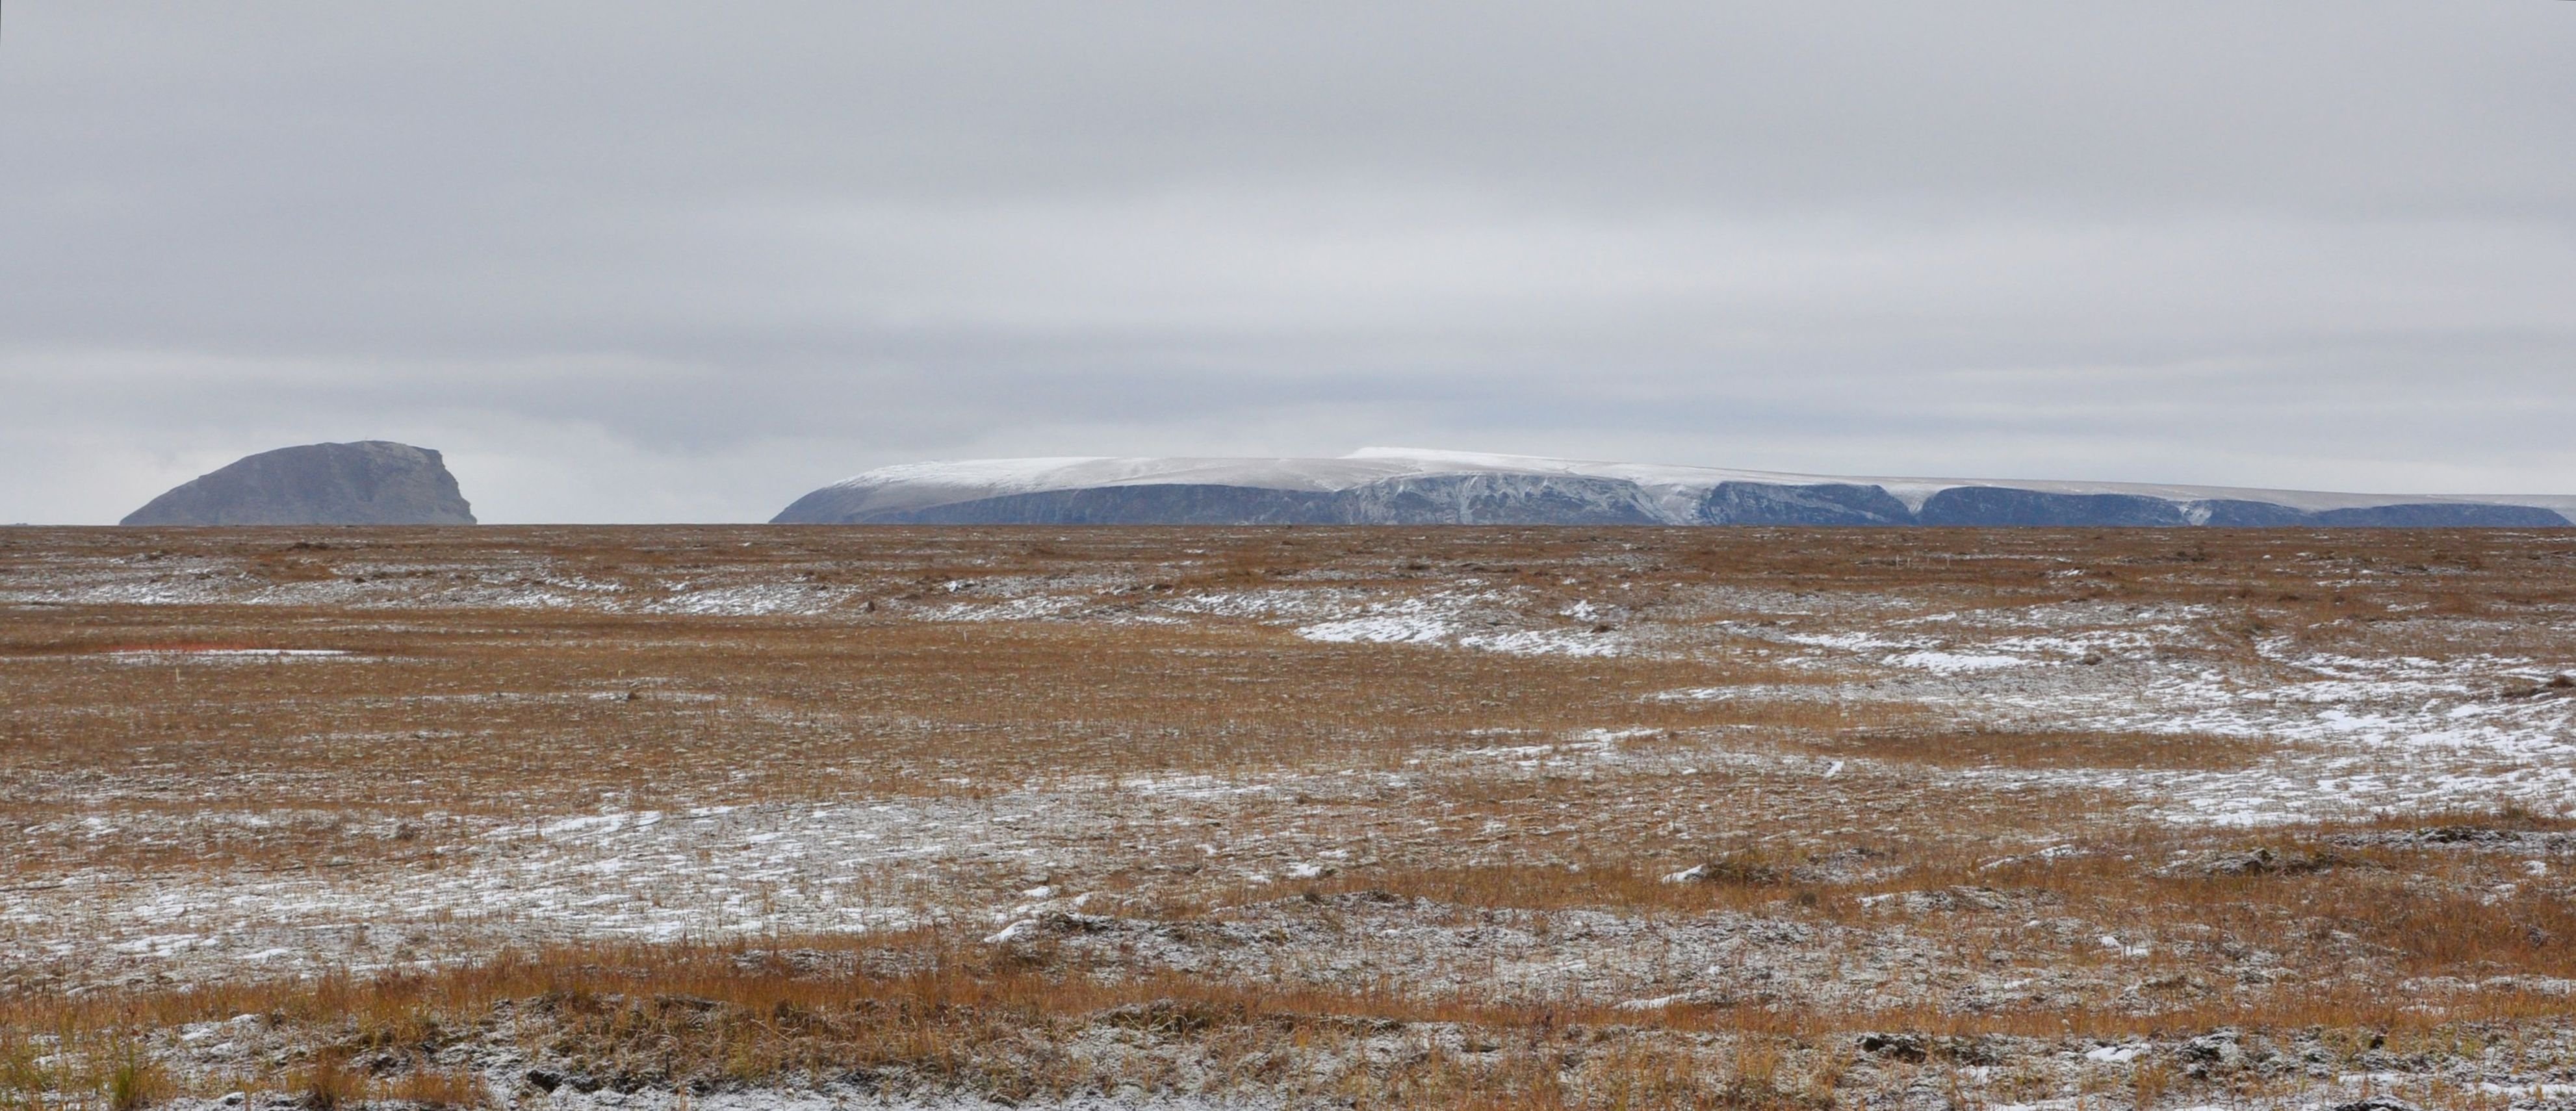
(1556, 499)
(1827, 503)
(1412, 486)
(373, 482)
(1425, 500)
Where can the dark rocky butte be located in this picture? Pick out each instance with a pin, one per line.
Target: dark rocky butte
(372, 482)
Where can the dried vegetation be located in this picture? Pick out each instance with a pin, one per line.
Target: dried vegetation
(1435, 818)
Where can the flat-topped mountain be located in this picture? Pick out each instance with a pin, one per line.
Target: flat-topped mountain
(373, 482)
(1420, 487)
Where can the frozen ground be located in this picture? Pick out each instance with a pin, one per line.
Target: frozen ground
(1528, 770)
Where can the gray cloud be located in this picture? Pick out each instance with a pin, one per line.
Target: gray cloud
(636, 262)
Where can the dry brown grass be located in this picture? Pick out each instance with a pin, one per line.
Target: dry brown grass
(440, 1089)
(924, 1013)
(460, 718)
(2002, 748)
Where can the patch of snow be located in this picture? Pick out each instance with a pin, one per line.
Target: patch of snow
(1953, 663)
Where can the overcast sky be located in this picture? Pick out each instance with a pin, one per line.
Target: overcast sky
(646, 262)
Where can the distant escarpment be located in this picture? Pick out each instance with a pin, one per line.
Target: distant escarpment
(1990, 506)
(1425, 500)
(373, 482)
(1398, 487)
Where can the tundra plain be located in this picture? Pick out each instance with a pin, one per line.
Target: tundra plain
(818, 817)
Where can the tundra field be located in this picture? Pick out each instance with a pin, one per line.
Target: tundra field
(800, 818)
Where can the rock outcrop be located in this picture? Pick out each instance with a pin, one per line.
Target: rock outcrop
(373, 482)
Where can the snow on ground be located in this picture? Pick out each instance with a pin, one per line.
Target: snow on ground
(2358, 731)
(718, 871)
(2364, 731)
(753, 600)
(1473, 619)
(1795, 856)
(1953, 663)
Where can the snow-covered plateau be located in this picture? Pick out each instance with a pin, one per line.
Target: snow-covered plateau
(1421, 486)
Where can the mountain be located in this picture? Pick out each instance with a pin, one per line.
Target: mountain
(1399, 486)
(368, 483)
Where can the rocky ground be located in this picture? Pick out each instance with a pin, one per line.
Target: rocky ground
(1658, 817)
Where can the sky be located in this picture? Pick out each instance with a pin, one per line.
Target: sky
(640, 262)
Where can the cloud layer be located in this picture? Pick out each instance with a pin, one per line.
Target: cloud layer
(663, 262)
